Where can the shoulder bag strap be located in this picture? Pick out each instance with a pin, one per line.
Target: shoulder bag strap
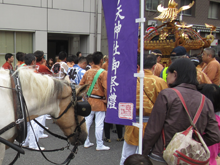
(195, 119)
(199, 110)
(94, 81)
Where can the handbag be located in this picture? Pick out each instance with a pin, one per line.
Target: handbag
(183, 149)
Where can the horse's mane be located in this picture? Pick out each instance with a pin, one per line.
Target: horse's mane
(4, 72)
(41, 86)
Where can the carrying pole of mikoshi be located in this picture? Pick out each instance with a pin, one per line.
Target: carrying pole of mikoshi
(141, 75)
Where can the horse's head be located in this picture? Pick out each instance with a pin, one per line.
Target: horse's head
(68, 121)
(46, 95)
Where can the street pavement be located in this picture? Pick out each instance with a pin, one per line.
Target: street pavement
(84, 156)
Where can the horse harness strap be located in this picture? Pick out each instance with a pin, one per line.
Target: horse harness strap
(77, 127)
(21, 121)
(68, 159)
(67, 108)
(74, 150)
(72, 103)
(11, 125)
(58, 136)
(19, 110)
(20, 115)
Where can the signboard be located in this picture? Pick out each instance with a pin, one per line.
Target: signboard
(122, 33)
(149, 29)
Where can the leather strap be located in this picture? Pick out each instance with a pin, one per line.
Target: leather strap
(195, 119)
(67, 108)
(48, 131)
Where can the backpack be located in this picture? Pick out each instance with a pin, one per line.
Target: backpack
(183, 149)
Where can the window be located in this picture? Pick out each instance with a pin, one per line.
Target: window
(213, 10)
(24, 42)
(13, 42)
(186, 2)
(152, 4)
(6, 42)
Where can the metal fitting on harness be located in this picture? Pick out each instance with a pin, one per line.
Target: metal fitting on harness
(19, 121)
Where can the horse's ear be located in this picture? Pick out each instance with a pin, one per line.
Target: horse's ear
(81, 90)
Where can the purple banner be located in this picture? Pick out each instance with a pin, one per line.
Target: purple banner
(122, 33)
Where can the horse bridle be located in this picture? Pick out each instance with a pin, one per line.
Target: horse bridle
(73, 103)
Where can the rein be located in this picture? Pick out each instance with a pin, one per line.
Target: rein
(77, 129)
(72, 103)
(8, 88)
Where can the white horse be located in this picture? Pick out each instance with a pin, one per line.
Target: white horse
(43, 95)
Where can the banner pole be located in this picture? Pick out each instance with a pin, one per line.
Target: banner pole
(141, 80)
(141, 75)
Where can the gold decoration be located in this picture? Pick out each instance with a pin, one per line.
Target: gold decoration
(210, 38)
(184, 26)
(163, 36)
(184, 36)
(212, 27)
(174, 33)
(171, 12)
(170, 35)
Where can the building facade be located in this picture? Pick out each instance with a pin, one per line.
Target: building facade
(50, 25)
(203, 11)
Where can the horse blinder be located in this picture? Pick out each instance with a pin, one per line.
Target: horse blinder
(82, 108)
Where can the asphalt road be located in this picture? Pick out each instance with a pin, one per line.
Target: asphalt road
(84, 156)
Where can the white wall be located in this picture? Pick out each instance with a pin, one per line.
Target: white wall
(24, 2)
(40, 41)
(22, 18)
(53, 16)
(68, 21)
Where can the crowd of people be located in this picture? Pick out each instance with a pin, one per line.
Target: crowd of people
(164, 113)
(193, 76)
(79, 70)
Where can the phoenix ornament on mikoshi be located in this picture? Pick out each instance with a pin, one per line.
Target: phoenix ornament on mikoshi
(171, 12)
(212, 27)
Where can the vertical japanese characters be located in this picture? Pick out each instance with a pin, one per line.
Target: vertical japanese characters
(112, 98)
